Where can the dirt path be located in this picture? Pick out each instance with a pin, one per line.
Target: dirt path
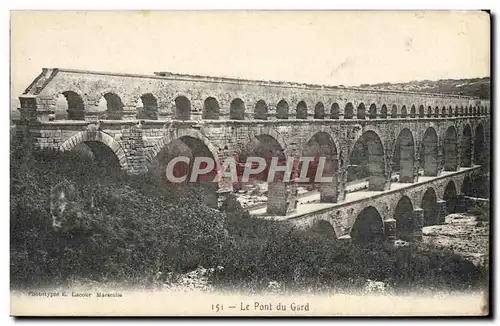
(463, 234)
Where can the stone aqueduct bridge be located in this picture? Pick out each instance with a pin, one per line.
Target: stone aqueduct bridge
(446, 138)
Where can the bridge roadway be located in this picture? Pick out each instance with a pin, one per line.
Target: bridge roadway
(310, 212)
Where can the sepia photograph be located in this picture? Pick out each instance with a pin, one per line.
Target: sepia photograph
(250, 163)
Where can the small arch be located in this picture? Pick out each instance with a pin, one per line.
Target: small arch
(71, 106)
(372, 111)
(429, 111)
(301, 110)
(323, 228)
(282, 110)
(368, 227)
(474, 111)
(450, 149)
(394, 111)
(260, 110)
(182, 108)
(450, 196)
(319, 111)
(429, 206)
(147, 107)
(335, 111)
(421, 112)
(361, 114)
(211, 109)
(450, 111)
(443, 111)
(349, 111)
(237, 109)
(403, 214)
(413, 112)
(404, 112)
(455, 113)
(436, 111)
(112, 105)
(383, 112)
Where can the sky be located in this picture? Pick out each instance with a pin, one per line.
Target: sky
(321, 47)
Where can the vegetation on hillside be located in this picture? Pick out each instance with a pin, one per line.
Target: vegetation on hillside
(135, 229)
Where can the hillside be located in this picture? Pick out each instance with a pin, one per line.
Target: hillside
(479, 87)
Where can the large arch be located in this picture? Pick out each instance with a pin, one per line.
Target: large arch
(260, 110)
(147, 107)
(282, 110)
(479, 150)
(368, 227)
(323, 228)
(404, 156)
(367, 160)
(266, 146)
(450, 149)
(467, 146)
(211, 109)
(237, 109)
(90, 138)
(450, 196)
(429, 153)
(301, 110)
(321, 145)
(319, 111)
(191, 144)
(361, 112)
(182, 108)
(429, 205)
(403, 214)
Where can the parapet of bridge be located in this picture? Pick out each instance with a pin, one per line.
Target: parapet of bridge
(136, 117)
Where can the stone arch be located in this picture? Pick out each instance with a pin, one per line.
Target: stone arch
(349, 111)
(436, 111)
(421, 111)
(112, 104)
(450, 111)
(361, 112)
(319, 111)
(394, 111)
(450, 196)
(403, 214)
(282, 110)
(147, 107)
(368, 227)
(413, 112)
(474, 111)
(324, 228)
(70, 105)
(429, 152)
(450, 149)
(260, 112)
(404, 156)
(456, 112)
(443, 111)
(429, 111)
(468, 187)
(237, 109)
(466, 146)
(100, 137)
(479, 148)
(404, 112)
(383, 112)
(368, 159)
(335, 111)
(321, 144)
(301, 110)
(429, 205)
(182, 108)
(372, 111)
(211, 109)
